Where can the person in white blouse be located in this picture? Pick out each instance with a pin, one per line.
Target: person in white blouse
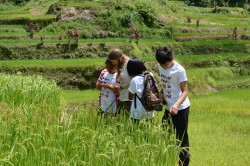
(175, 93)
(118, 58)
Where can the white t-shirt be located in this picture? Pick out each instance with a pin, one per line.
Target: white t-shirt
(136, 87)
(107, 96)
(171, 79)
(124, 78)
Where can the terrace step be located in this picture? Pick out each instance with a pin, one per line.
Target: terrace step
(248, 47)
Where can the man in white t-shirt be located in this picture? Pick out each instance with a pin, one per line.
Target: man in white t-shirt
(175, 93)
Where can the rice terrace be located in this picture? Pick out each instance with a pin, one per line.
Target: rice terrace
(52, 53)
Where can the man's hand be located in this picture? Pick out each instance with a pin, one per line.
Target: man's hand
(174, 109)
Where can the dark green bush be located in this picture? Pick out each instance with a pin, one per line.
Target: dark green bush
(17, 2)
(209, 3)
(147, 13)
(203, 3)
(129, 16)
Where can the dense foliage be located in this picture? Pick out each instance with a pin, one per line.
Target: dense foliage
(17, 2)
(207, 3)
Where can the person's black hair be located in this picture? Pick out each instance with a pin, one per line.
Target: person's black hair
(135, 67)
(164, 54)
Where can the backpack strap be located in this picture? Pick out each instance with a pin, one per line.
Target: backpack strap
(136, 96)
(135, 101)
(153, 81)
(146, 75)
(143, 75)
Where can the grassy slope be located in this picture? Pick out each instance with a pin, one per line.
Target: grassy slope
(212, 24)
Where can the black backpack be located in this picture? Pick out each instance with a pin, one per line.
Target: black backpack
(150, 96)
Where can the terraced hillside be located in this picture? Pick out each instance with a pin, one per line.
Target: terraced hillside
(67, 41)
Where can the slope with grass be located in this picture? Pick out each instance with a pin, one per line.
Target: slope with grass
(104, 25)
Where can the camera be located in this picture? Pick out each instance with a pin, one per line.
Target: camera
(158, 107)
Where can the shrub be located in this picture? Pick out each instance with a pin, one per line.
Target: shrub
(211, 81)
(221, 73)
(203, 3)
(129, 16)
(147, 12)
(17, 2)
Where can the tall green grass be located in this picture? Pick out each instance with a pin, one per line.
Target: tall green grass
(218, 131)
(20, 91)
(218, 127)
(33, 134)
(77, 97)
(84, 138)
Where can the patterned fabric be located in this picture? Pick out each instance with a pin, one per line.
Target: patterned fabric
(107, 98)
(171, 79)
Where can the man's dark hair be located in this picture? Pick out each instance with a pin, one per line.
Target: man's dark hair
(164, 54)
(135, 67)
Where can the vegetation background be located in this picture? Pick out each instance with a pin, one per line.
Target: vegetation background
(48, 102)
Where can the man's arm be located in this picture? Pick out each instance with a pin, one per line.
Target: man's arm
(184, 89)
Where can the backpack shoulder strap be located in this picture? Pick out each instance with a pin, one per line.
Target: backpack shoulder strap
(145, 75)
(136, 96)
(155, 83)
(151, 76)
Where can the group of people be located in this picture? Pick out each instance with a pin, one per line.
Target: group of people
(123, 80)
(235, 34)
(197, 21)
